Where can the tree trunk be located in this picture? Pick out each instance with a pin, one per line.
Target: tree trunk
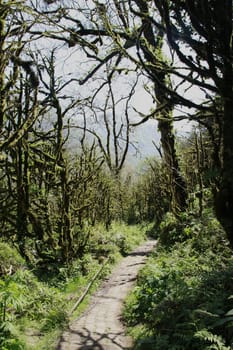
(22, 200)
(224, 198)
(160, 77)
(66, 236)
(178, 186)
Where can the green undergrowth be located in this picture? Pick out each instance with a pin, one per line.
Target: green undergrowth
(35, 304)
(184, 295)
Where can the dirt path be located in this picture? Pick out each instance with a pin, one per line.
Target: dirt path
(100, 327)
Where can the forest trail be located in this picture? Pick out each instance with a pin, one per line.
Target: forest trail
(100, 327)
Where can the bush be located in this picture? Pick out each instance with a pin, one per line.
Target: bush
(120, 238)
(174, 229)
(10, 259)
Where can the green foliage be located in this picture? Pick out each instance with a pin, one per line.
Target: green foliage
(12, 344)
(184, 293)
(149, 198)
(214, 341)
(10, 259)
(204, 231)
(174, 229)
(119, 238)
(22, 296)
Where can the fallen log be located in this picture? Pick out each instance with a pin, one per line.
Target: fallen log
(80, 299)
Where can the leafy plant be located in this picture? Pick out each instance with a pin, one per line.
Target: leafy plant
(212, 341)
(11, 303)
(10, 259)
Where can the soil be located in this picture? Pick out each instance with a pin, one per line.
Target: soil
(101, 327)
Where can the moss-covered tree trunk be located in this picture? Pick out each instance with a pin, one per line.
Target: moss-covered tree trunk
(154, 67)
(224, 198)
(22, 173)
(3, 14)
(177, 182)
(66, 237)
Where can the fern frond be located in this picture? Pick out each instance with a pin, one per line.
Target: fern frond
(216, 341)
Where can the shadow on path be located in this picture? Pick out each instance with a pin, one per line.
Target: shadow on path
(94, 341)
(138, 253)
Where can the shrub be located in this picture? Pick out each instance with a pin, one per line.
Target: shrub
(174, 229)
(10, 259)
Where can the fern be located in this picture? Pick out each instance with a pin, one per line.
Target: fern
(216, 341)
